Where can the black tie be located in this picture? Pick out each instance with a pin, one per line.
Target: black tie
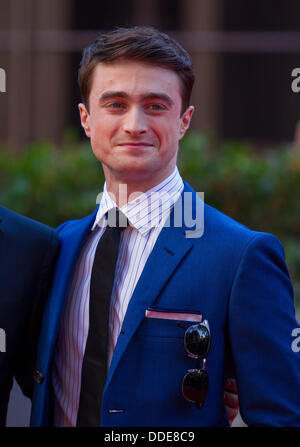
(94, 367)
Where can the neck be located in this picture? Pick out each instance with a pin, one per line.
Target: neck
(123, 191)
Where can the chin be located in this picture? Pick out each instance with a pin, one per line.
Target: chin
(131, 172)
(135, 165)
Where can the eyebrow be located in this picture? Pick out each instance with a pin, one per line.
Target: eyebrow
(151, 95)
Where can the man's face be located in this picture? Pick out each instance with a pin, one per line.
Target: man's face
(134, 121)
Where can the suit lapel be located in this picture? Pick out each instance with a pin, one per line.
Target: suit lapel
(171, 247)
(72, 241)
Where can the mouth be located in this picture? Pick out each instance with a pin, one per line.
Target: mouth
(139, 145)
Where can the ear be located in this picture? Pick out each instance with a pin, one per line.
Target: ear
(186, 121)
(85, 119)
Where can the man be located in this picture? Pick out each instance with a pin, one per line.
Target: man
(188, 303)
(27, 252)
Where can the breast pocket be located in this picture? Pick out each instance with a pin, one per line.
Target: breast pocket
(168, 323)
(159, 359)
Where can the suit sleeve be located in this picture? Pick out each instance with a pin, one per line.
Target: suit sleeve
(261, 321)
(26, 359)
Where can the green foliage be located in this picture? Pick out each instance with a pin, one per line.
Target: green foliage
(260, 190)
(49, 184)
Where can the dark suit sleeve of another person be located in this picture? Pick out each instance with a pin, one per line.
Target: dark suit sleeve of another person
(28, 252)
(261, 322)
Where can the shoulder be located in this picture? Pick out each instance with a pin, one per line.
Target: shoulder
(217, 226)
(29, 230)
(218, 223)
(225, 241)
(233, 236)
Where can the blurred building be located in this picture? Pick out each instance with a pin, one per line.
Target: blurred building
(243, 53)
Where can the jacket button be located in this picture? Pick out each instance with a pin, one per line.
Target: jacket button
(38, 376)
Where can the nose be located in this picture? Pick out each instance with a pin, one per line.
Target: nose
(135, 122)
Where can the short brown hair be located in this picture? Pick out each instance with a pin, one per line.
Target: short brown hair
(145, 44)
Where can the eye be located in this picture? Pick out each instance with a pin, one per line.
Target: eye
(156, 107)
(115, 105)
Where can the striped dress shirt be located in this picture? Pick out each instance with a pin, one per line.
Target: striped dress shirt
(147, 215)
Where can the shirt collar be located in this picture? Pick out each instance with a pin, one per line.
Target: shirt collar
(148, 210)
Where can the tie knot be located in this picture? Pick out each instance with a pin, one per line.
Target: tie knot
(116, 219)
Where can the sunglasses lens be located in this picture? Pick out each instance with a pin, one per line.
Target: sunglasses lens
(197, 340)
(195, 385)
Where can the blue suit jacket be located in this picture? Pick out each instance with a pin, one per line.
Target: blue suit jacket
(237, 279)
(27, 257)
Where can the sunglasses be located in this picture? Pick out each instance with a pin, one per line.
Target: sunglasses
(197, 344)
